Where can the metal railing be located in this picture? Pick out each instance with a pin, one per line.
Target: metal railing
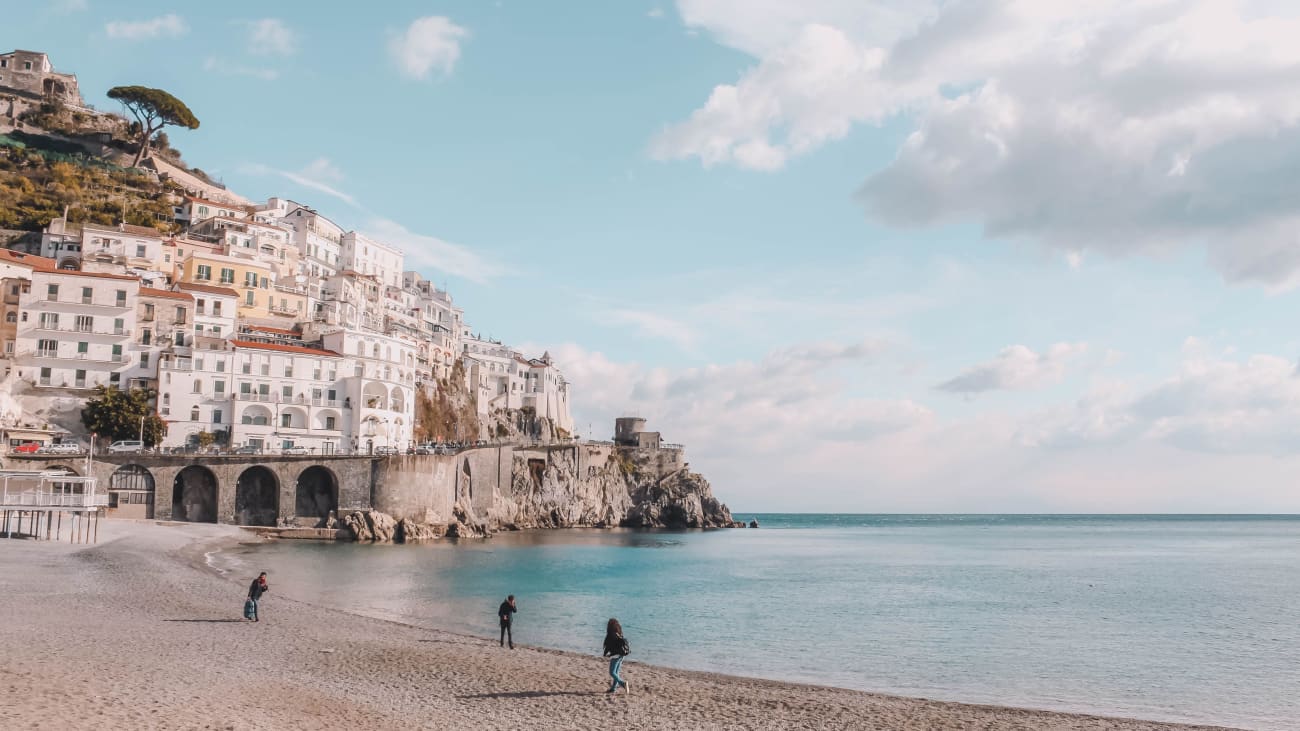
(46, 499)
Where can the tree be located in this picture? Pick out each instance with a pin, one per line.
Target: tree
(114, 414)
(153, 109)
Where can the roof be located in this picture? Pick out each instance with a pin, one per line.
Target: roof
(272, 330)
(247, 222)
(124, 228)
(31, 260)
(207, 288)
(284, 348)
(96, 275)
(151, 292)
(210, 202)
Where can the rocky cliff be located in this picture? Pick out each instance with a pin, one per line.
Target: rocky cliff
(480, 491)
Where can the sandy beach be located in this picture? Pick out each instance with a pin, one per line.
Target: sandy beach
(136, 632)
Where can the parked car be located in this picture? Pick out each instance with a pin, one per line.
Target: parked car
(425, 449)
(248, 449)
(126, 446)
(26, 448)
(294, 449)
(386, 451)
(64, 448)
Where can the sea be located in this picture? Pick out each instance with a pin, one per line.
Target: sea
(1166, 617)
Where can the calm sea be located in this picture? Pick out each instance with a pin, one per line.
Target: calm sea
(1191, 618)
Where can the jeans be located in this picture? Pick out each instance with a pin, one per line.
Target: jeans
(505, 632)
(616, 664)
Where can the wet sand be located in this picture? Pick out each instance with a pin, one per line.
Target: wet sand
(137, 632)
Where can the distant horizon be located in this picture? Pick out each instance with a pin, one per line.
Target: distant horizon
(834, 245)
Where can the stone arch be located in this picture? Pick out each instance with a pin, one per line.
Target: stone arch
(132, 484)
(257, 497)
(70, 264)
(316, 494)
(397, 401)
(374, 395)
(319, 422)
(297, 417)
(194, 495)
(256, 414)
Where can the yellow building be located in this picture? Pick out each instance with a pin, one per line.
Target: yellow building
(252, 279)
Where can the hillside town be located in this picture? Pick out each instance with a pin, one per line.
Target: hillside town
(264, 326)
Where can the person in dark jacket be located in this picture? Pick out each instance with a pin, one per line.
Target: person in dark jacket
(616, 648)
(506, 613)
(255, 592)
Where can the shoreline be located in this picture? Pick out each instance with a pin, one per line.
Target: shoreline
(393, 672)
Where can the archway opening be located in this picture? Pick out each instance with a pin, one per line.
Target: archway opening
(131, 492)
(317, 494)
(257, 497)
(194, 495)
(467, 482)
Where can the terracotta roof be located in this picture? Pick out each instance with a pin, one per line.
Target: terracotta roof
(124, 228)
(284, 348)
(208, 289)
(31, 260)
(273, 330)
(151, 292)
(231, 206)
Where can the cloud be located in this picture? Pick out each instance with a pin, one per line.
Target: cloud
(430, 44)
(320, 175)
(221, 66)
(164, 26)
(430, 252)
(652, 325)
(1136, 127)
(271, 37)
(1016, 368)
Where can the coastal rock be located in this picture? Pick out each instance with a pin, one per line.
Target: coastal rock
(753, 523)
(683, 499)
(371, 526)
(409, 531)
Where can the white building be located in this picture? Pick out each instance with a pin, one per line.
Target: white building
(378, 379)
(264, 395)
(75, 329)
(364, 255)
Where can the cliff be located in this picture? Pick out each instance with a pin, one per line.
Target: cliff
(507, 488)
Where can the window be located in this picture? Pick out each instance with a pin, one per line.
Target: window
(216, 416)
(286, 420)
(9, 347)
(45, 376)
(203, 210)
(288, 371)
(221, 365)
(114, 378)
(266, 369)
(180, 315)
(11, 317)
(205, 272)
(329, 422)
(144, 360)
(227, 276)
(248, 299)
(248, 367)
(117, 354)
(286, 392)
(85, 324)
(216, 308)
(146, 336)
(47, 348)
(200, 306)
(87, 295)
(198, 386)
(119, 326)
(216, 330)
(27, 65)
(141, 251)
(121, 298)
(52, 293)
(194, 414)
(79, 379)
(219, 387)
(83, 348)
(245, 387)
(250, 279)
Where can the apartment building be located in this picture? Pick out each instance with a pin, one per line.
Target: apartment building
(379, 380)
(251, 279)
(161, 315)
(75, 329)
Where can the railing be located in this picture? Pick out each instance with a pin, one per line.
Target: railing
(43, 499)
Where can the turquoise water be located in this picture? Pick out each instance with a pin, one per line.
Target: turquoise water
(1191, 618)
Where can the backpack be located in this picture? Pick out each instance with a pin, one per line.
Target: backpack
(624, 648)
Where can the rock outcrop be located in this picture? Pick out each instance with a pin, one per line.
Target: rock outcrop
(370, 526)
(683, 499)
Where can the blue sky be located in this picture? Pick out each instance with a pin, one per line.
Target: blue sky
(858, 256)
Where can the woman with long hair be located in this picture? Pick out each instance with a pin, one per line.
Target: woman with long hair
(616, 648)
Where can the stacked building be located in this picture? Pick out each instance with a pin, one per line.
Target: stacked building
(269, 327)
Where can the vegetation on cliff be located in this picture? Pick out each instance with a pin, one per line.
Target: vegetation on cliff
(446, 414)
(153, 109)
(37, 184)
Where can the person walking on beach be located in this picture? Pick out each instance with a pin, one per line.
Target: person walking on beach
(616, 648)
(506, 613)
(255, 592)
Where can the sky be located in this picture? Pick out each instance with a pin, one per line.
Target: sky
(961, 256)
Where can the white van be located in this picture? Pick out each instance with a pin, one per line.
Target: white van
(126, 445)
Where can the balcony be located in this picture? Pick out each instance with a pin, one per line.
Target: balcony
(266, 398)
(47, 353)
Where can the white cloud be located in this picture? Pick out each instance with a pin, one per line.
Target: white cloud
(271, 37)
(430, 44)
(164, 26)
(320, 175)
(431, 253)
(1016, 368)
(1112, 126)
(222, 66)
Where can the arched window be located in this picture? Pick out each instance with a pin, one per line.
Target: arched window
(194, 414)
(11, 317)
